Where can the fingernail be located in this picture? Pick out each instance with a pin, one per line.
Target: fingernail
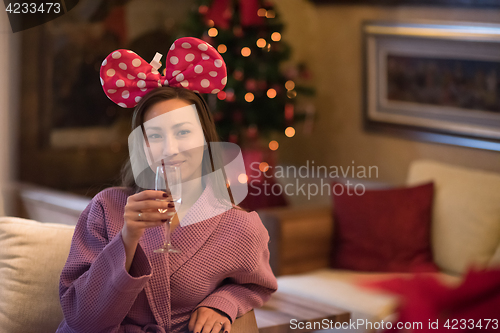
(164, 220)
(165, 195)
(171, 205)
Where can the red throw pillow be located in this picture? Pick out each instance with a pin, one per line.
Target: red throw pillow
(383, 230)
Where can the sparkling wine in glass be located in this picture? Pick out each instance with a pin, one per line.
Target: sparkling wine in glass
(168, 179)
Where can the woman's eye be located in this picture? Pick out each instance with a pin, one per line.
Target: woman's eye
(154, 136)
(183, 132)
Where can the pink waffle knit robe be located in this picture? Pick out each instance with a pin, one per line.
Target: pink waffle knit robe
(224, 265)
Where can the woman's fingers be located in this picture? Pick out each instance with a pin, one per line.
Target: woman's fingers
(209, 320)
(227, 326)
(148, 216)
(216, 326)
(148, 195)
(150, 205)
(192, 321)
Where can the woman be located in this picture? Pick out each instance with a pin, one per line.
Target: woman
(114, 282)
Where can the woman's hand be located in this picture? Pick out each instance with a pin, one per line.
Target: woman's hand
(141, 212)
(210, 320)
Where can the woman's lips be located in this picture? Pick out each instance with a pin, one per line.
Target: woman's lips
(174, 163)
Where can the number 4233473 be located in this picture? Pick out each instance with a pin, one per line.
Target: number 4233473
(460, 324)
(33, 8)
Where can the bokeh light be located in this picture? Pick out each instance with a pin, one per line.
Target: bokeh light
(242, 178)
(221, 95)
(212, 32)
(263, 166)
(289, 85)
(271, 93)
(222, 48)
(276, 36)
(290, 131)
(261, 42)
(246, 51)
(273, 145)
(291, 94)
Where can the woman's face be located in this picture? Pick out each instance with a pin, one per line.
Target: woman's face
(173, 134)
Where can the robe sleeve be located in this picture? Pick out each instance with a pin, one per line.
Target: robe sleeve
(95, 290)
(252, 284)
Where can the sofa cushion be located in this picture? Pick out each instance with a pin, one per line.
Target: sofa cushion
(383, 230)
(32, 255)
(466, 215)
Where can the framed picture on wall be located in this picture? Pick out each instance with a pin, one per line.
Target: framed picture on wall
(433, 82)
(72, 137)
(451, 3)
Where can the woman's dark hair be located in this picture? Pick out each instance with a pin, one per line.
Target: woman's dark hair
(210, 162)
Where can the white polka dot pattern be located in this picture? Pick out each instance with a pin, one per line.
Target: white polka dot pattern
(190, 63)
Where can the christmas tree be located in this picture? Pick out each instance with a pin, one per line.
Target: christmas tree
(260, 96)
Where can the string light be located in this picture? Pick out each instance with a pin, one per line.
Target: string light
(263, 166)
(262, 12)
(289, 85)
(210, 23)
(290, 131)
(268, 47)
(246, 51)
(222, 48)
(261, 42)
(271, 93)
(273, 145)
(249, 97)
(212, 32)
(270, 14)
(291, 94)
(242, 178)
(276, 36)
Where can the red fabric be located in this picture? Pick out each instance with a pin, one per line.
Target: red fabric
(216, 13)
(220, 13)
(383, 230)
(248, 13)
(425, 299)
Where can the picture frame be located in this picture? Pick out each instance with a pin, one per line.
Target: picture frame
(71, 136)
(433, 81)
(433, 3)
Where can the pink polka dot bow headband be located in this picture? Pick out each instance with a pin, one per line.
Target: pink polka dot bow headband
(191, 63)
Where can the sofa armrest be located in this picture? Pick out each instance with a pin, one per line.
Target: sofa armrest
(245, 324)
(301, 238)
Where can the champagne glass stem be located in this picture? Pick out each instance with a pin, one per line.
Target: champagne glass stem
(167, 233)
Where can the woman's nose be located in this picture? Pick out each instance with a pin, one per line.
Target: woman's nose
(170, 147)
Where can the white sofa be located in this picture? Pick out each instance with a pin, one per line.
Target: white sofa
(465, 229)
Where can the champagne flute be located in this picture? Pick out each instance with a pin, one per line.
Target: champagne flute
(168, 179)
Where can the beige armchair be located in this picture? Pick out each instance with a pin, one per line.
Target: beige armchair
(32, 255)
